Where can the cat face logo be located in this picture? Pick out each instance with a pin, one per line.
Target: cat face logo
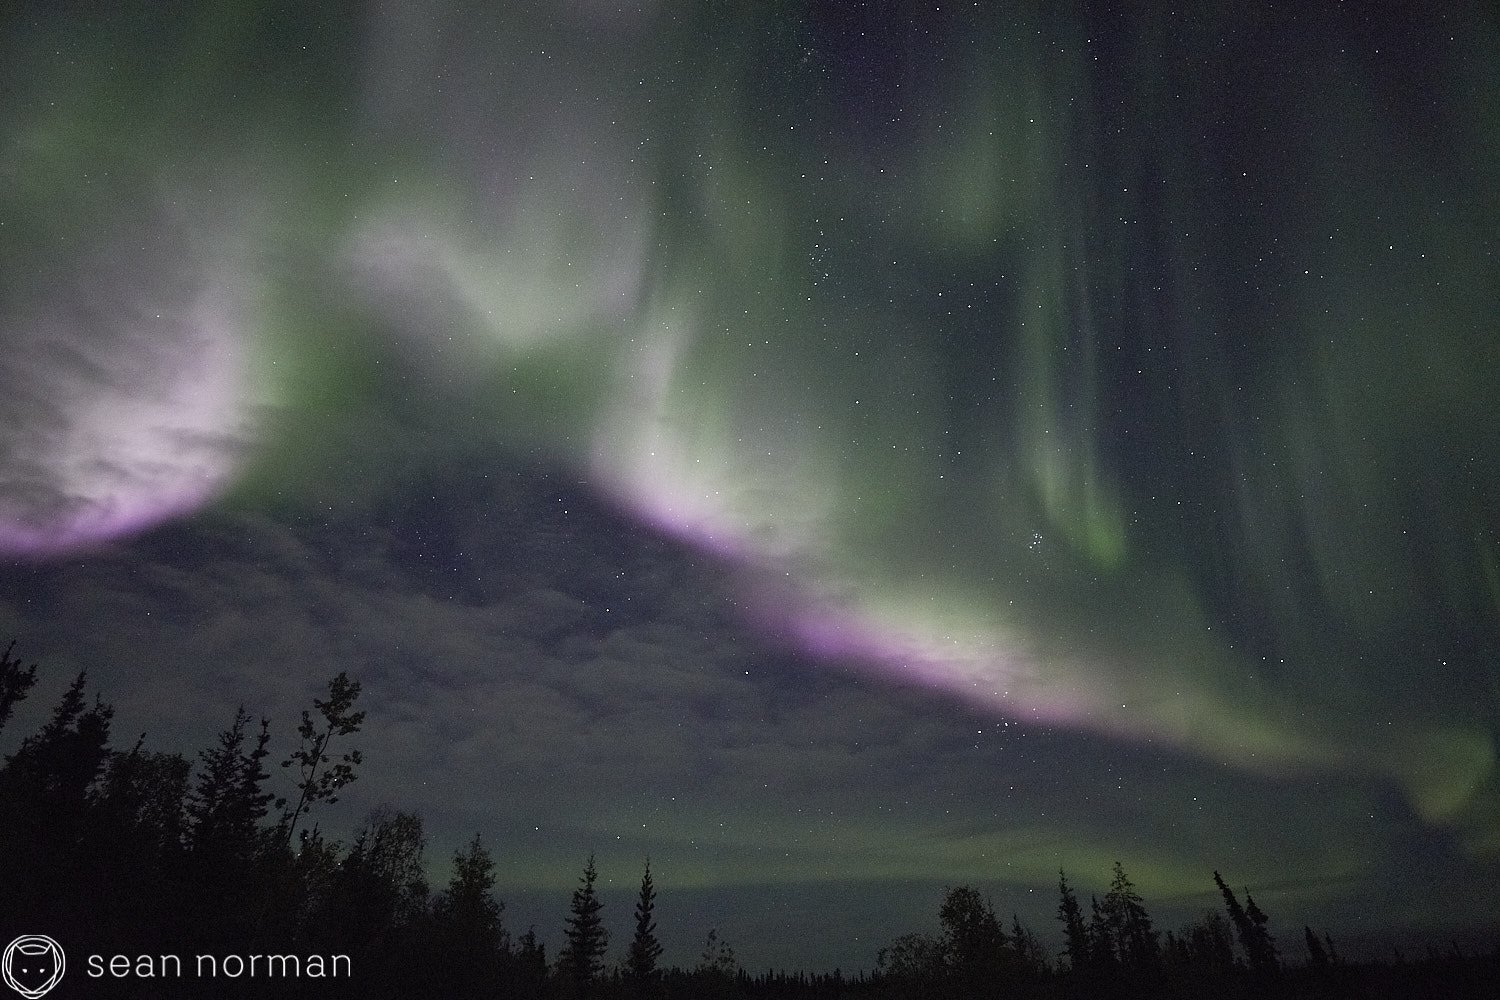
(33, 964)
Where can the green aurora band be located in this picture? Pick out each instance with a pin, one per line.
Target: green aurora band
(1052, 364)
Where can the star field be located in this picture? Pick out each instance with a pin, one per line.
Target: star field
(837, 452)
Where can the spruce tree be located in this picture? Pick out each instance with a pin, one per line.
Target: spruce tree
(1317, 956)
(582, 958)
(467, 924)
(645, 949)
(1134, 941)
(529, 970)
(1265, 944)
(230, 890)
(1101, 940)
(1209, 942)
(1029, 949)
(47, 792)
(63, 760)
(1075, 932)
(228, 801)
(140, 801)
(1333, 953)
(1236, 912)
(1260, 950)
(15, 682)
(48, 784)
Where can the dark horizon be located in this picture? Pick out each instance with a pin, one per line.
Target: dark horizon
(145, 863)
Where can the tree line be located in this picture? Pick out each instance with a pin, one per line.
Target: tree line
(144, 852)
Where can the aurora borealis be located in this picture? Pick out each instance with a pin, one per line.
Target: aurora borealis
(836, 451)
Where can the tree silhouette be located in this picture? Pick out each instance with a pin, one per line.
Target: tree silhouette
(1317, 956)
(717, 969)
(228, 801)
(15, 682)
(467, 925)
(974, 940)
(1075, 931)
(47, 794)
(1101, 936)
(645, 949)
(717, 957)
(138, 839)
(320, 778)
(1333, 953)
(914, 960)
(61, 762)
(529, 970)
(1030, 951)
(1208, 943)
(582, 958)
(971, 929)
(1260, 950)
(229, 886)
(391, 848)
(376, 905)
(1134, 942)
(1265, 944)
(142, 795)
(151, 855)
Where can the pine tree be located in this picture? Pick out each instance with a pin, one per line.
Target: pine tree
(582, 958)
(1242, 925)
(63, 760)
(645, 949)
(136, 840)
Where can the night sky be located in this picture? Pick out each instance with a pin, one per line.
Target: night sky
(835, 451)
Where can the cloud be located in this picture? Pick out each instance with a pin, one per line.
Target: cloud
(126, 388)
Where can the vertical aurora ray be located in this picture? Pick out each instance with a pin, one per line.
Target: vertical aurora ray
(1147, 382)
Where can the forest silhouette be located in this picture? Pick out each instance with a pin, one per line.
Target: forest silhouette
(142, 853)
